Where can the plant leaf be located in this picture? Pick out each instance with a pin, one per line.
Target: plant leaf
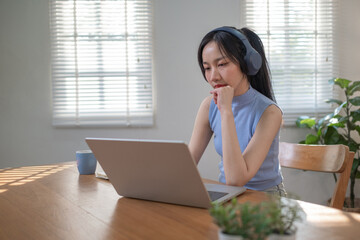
(353, 146)
(355, 166)
(326, 118)
(337, 124)
(342, 119)
(341, 82)
(355, 101)
(357, 128)
(354, 87)
(338, 102)
(355, 115)
(331, 136)
(351, 126)
(338, 109)
(342, 140)
(319, 132)
(308, 122)
(305, 122)
(311, 139)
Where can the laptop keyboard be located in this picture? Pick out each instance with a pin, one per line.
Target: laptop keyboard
(216, 195)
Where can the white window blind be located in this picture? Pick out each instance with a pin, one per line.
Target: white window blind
(101, 62)
(298, 36)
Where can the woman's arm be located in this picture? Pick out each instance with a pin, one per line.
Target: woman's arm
(202, 133)
(240, 167)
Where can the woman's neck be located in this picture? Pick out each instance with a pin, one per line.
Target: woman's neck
(243, 87)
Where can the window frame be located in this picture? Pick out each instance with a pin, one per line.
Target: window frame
(267, 33)
(127, 97)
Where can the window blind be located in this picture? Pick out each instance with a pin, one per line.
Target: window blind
(101, 62)
(298, 36)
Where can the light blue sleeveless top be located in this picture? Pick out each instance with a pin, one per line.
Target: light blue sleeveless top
(248, 109)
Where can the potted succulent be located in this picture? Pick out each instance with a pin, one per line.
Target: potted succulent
(284, 213)
(237, 221)
(339, 127)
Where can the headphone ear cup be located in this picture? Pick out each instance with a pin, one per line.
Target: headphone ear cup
(253, 61)
(252, 58)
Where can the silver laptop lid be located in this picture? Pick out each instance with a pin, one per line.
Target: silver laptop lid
(150, 169)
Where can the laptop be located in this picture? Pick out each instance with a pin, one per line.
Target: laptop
(161, 171)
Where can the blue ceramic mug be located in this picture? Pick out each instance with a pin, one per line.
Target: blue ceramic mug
(86, 162)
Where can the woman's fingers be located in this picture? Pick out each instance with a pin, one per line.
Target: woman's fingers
(215, 95)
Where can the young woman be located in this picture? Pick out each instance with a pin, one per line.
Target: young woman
(241, 111)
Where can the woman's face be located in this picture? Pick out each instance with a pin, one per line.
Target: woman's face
(220, 71)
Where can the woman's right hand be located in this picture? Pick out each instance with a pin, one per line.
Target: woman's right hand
(223, 97)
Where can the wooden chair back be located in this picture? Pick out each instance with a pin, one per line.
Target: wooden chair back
(321, 158)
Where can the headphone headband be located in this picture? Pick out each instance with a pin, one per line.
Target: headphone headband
(252, 58)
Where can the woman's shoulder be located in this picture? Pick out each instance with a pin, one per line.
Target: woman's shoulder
(272, 113)
(206, 102)
(205, 106)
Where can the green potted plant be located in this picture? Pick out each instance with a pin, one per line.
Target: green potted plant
(284, 213)
(339, 127)
(239, 221)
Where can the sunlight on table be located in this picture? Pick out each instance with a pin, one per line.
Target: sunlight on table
(23, 175)
(333, 217)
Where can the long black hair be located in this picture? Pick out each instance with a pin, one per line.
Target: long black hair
(233, 48)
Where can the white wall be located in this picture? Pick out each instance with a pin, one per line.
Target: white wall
(27, 136)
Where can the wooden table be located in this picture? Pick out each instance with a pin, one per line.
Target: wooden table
(55, 202)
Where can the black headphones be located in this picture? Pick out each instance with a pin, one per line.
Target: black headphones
(252, 58)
